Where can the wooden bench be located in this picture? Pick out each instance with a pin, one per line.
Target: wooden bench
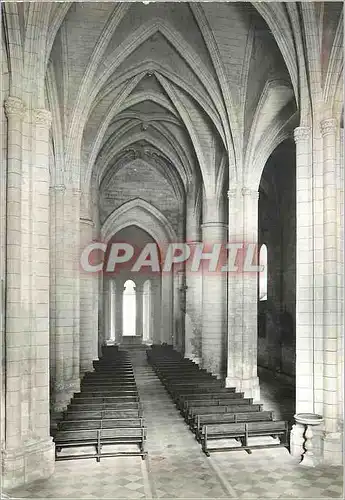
(83, 414)
(106, 423)
(84, 399)
(104, 406)
(189, 405)
(192, 414)
(241, 432)
(89, 392)
(229, 418)
(98, 438)
(184, 401)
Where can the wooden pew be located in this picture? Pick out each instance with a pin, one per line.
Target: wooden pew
(241, 432)
(217, 418)
(191, 417)
(104, 406)
(184, 401)
(82, 414)
(107, 423)
(89, 392)
(98, 438)
(84, 399)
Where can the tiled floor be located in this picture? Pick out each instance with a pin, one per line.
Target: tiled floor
(177, 468)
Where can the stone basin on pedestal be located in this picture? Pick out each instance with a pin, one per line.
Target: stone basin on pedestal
(308, 420)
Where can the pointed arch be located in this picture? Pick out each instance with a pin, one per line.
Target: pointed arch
(142, 214)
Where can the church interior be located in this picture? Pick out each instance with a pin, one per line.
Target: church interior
(135, 129)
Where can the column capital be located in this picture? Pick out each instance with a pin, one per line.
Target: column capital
(328, 126)
(58, 188)
(301, 134)
(214, 224)
(42, 117)
(243, 191)
(86, 220)
(14, 107)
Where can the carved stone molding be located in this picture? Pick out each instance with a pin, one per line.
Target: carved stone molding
(60, 188)
(328, 127)
(42, 117)
(301, 134)
(243, 191)
(85, 220)
(14, 107)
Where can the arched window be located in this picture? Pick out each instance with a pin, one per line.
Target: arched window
(147, 311)
(263, 273)
(129, 309)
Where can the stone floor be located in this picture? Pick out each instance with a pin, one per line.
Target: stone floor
(176, 467)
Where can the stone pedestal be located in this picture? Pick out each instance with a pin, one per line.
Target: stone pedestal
(308, 420)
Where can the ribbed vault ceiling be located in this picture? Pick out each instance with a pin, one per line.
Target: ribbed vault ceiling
(184, 82)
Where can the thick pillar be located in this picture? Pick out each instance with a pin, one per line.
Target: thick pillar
(139, 310)
(242, 293)
(112, 311)
(179, 309)
(213, 303)
(193, 323)
(119, 312)
(27, 437)
(87, 332)
(331, 355)
(64, 299)
(156, 305)
(193, 290)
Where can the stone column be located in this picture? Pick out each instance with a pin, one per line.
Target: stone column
(179, 301)
(213, 304)
(139, 310)
(332, 438)
(156, 311)
(193, 292)
(87, 332)
(242, 293)
(304, 283)
(112, 310)
(29, 453)
(64, 300)
(75, 246)
(119, 312)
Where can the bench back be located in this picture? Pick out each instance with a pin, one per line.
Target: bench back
(239, 429)
(101, 391)
(211, 396)
(105, 423)
(218, 402)
(234, 417)
(98, 414)
(95, 435)
(104, 406)
(200, 410)
(89, 398)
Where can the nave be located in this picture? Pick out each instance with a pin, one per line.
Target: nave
(176, 466)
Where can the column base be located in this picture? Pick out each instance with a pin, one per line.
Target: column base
(250, 387)
(86, 367)
(333, 448)
(33, 461)
(63, 394)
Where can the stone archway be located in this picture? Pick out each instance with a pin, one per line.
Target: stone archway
(143, 215)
